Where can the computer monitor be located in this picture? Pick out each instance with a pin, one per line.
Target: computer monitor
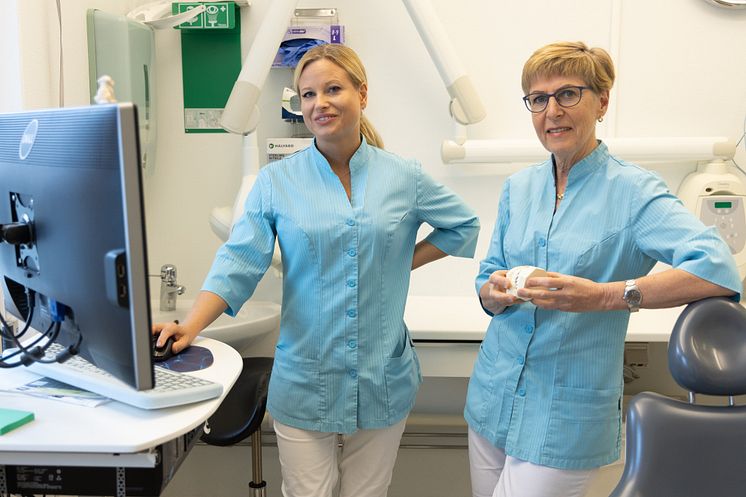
(74, 176)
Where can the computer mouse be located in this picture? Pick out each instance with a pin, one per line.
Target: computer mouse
(164, 352)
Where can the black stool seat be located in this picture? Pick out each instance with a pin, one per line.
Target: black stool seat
(242, 411)
(240, 416)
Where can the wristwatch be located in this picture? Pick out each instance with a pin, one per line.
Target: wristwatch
(632, 295)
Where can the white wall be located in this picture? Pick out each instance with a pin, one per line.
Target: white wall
(10, 83)
(680, 73)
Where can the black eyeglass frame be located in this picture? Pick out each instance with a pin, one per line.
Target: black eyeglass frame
(550, 95)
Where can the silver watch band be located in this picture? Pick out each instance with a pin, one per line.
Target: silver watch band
(632, 295)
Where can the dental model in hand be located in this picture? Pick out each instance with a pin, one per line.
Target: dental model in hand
(518, 276)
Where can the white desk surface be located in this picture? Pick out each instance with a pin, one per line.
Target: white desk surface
(65, 429)
(462, 318)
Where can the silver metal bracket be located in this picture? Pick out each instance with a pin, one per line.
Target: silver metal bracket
(302, 13)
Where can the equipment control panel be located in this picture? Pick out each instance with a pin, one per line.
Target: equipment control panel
(726, 213)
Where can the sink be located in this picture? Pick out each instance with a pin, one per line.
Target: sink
(254, 321)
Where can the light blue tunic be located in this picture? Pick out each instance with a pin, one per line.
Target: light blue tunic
(547, 385)
(344, 360)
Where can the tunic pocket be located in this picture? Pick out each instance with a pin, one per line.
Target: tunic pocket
(584, 424)
(403, 377)
(295, 388)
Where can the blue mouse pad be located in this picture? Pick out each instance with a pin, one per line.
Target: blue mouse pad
(192, 359)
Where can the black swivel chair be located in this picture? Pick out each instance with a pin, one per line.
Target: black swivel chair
(680, 449)
(240, 416)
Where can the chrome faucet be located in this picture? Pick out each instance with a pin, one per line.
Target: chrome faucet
(169, 288)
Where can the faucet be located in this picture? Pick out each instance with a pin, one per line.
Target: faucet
(169, 288)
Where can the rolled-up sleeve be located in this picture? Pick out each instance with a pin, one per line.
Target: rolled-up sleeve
(666, 231)
(241, 262)
(456, 226)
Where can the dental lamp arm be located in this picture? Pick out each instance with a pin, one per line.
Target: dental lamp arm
(466, 107)
(241, 114)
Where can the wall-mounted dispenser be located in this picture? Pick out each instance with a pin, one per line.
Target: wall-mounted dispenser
(124, 50)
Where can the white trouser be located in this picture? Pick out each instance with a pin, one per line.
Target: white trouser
(493, 474)
(312, 464)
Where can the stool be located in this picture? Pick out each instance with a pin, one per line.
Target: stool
(241, 413)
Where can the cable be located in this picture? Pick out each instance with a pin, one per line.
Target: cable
(32, 344)
(62, 79)
(743, 135)
(8, 334)
(33, 352)
(738, 167)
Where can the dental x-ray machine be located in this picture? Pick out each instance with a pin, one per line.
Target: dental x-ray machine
(241, 114)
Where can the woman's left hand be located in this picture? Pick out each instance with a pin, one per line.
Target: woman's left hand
(565, 293)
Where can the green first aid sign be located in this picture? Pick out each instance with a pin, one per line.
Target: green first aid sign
(217, 15)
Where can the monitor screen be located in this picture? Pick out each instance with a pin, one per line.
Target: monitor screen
(73, 175)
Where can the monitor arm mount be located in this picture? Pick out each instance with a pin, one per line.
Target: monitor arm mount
(17, 233)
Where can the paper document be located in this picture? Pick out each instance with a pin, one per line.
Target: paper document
(56, 390)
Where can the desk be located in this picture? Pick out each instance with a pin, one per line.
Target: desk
(448, 330)
(112, 435)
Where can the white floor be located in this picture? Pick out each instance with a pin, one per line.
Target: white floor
(419, 472)
(226, 471)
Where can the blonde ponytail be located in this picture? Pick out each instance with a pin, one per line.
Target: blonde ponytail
(369, 133)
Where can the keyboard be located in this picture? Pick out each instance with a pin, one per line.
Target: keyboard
(171, 388)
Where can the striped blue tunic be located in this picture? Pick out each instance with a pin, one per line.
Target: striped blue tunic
(343, 360)
(547, 385)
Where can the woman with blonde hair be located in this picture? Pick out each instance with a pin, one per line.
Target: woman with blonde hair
(346, 215)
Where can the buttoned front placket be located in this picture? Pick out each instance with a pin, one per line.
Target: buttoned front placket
(516, 388)
(352, 235)
(351, 338)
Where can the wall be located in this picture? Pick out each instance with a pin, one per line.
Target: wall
(10, 83)
(685, 83)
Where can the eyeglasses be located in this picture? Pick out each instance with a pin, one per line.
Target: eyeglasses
(568, 96)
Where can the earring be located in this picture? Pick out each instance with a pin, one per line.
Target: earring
(601, 119)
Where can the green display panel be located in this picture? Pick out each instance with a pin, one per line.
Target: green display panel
(210, 62)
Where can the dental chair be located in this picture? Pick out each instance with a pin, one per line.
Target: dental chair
(241, 414)
(680, 449)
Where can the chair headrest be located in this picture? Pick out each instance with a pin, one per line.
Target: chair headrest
(707, 349)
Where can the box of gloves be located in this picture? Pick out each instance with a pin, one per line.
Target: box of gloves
(299, 39)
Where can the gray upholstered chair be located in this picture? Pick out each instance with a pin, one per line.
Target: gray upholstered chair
(680, 449)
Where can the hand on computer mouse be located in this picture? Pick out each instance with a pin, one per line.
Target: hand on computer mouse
(182, 336)
(164, 352)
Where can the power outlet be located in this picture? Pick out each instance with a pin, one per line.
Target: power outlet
(636, 354)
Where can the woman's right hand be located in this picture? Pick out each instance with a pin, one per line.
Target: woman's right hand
(206, 309)
(183, 336)
(493, 293)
